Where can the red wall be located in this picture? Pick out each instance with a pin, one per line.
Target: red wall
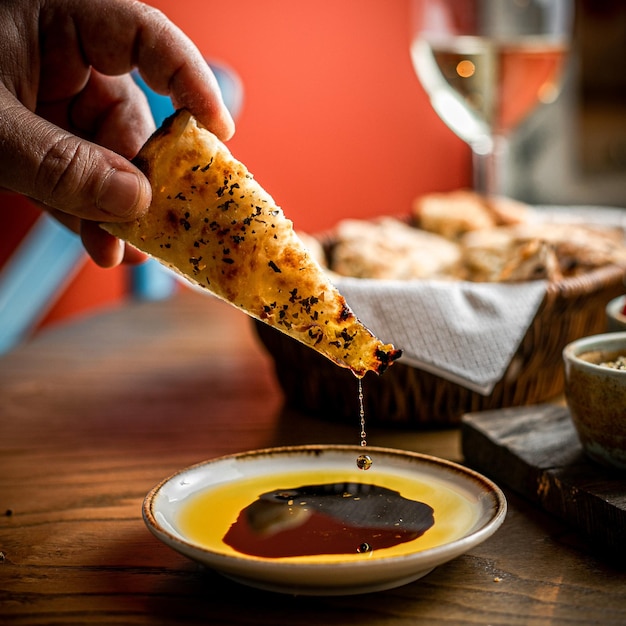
(334, 121)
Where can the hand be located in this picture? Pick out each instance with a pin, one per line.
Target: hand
(71, 116)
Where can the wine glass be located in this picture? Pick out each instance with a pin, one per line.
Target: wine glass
(486, 65)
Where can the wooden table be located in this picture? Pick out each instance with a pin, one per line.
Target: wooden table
(95, 413)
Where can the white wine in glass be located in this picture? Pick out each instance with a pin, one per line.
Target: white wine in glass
(486, 65)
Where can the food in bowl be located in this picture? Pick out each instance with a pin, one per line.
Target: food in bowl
(595, 390)
(617, 363)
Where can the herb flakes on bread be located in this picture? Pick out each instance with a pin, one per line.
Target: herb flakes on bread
(214, 224)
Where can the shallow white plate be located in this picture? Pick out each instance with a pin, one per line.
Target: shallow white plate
(482, 502)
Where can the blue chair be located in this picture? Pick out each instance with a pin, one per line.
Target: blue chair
(49, 256)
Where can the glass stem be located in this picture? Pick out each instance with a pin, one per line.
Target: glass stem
(489, 167)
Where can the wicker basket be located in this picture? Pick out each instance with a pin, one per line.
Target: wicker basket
(406, 396)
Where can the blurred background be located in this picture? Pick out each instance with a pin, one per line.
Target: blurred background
(333, 122)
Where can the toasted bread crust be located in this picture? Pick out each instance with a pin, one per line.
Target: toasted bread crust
(214, 224)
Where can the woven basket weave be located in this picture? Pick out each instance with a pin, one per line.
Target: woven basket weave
(407, 396)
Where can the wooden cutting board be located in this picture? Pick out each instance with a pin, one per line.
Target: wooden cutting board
(535, 451)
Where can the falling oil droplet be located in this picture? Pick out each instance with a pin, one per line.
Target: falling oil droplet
(364, 547)
(362, 415)
(364, 462)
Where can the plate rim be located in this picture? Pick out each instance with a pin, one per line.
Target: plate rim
(425, 560)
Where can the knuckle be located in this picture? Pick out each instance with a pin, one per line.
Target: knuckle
(65, 171)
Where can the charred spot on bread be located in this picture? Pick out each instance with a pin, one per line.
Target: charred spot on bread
(213, 223)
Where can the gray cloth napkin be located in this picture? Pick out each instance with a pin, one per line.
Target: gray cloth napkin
(463, 332)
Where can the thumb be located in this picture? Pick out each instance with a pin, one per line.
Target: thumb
(64, 172)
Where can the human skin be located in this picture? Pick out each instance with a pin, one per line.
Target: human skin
(71, 116)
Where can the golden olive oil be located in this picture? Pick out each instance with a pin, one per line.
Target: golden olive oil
(207, 517)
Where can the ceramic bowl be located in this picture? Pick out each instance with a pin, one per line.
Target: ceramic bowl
(596, 396)
(615, 314)
(467, 509)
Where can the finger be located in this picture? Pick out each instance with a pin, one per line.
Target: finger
(102, 247)
(64, 172)
(113, 112)
(132, 256)
(106, 250)
(71, 222)
(136, 35)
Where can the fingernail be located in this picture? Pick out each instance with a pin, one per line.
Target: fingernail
(120, 194)
(229, 131)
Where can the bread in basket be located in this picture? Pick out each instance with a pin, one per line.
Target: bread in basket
(580, 276)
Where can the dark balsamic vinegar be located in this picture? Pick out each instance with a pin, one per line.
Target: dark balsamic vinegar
(331, 518)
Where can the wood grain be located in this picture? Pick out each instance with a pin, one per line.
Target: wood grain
(536, 452)
(93, 414)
